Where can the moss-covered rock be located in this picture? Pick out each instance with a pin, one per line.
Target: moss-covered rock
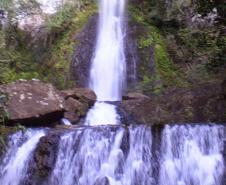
(155, 67)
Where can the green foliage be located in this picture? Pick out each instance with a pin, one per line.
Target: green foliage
(56, 65)
(157, 68)
(16, 64)
(208, 45)
(51, 62)
(166, 70)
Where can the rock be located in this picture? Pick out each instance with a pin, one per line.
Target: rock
(77, 102)
(224, 88)
(74, 110)
(44, 158)
(202, 104)
(81, 94)
(32, 103)
(102, 181)
(83, 52)
(135, 96)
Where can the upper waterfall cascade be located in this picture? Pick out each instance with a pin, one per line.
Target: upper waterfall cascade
(107, 74)
(108, 69)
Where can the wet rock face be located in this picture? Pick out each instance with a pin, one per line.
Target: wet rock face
(84, 52)
(202, 104)
(32, 102)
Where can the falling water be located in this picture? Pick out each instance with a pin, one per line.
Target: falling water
(13, 168)
(104, 156)
(107, 74)
(108, 66)
(192, 155)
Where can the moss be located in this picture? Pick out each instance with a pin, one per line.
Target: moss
(158, 70)
(201, 53)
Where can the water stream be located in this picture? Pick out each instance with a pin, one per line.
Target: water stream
(189, 155)
(14, 166)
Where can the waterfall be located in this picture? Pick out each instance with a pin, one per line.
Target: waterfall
(113, 154)
(192, 155)
(187, 155)
(104, 156)
(13, 167)
(108, 69)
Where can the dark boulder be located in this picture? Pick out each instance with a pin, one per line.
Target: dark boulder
(44, 159)
(34, 103)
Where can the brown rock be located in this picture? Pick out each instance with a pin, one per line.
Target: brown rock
(77, 102)
(135, 96)
(75, 109)
(44, 158)
(201, 104)
(32, 103)
(83, 95)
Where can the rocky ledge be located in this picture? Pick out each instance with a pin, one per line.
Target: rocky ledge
(34, 103)
(201, 104)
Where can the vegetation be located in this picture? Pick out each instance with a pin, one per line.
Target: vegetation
(48, 54)
(59, 56)
(186, 53)
(164, 72)
(3, 113)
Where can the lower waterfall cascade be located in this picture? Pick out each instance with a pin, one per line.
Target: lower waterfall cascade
(115, 155)
(14, 166)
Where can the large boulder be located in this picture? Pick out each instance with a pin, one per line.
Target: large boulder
(77, 102)
(32, 103)
(202, 104)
